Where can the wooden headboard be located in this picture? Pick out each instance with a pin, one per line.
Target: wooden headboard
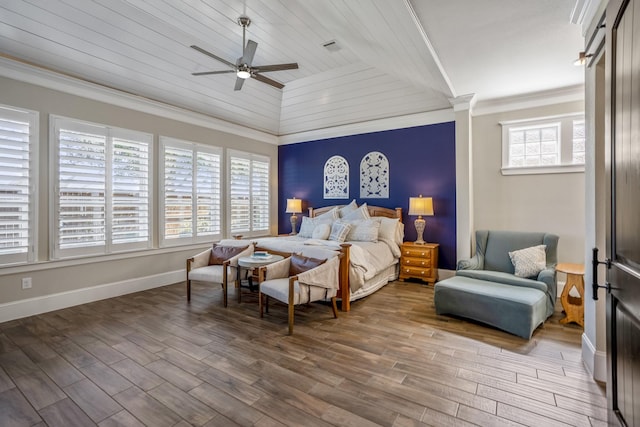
(373, 211)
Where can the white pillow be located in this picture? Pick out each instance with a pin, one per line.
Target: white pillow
(529, 262)
(327, 216)
(321, 231)
(388, 229)
(361, 213)
(348, 208)
(306, 227)
(339, 231)
(364, 230)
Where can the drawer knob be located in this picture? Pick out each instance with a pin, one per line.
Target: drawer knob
(422, 254)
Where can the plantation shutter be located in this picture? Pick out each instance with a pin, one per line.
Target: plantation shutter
(191, 192)
(81, 207)
(248, 194)
(208, 194)
(240, 195)
(18, 136)
(102, 202)
(130, 191)
(178, 190)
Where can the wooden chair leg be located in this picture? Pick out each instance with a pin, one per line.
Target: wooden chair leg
(334, 307)
(224, 293)
(260, 302)
(291, 308)
(188, 290)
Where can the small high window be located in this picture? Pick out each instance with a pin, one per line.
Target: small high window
(543, 145)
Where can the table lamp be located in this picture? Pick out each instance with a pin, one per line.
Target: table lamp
(420, 206)
(294, 206)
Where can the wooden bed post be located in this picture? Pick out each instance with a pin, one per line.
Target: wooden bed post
(344, 291)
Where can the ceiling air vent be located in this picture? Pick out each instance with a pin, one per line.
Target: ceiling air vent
(331, 46)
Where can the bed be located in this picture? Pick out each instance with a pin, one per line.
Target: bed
(366, 266)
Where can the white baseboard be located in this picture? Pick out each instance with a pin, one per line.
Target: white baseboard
(32, 306)
(595, 361)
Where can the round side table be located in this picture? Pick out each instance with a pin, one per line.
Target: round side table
(250, 263)
(573, 306)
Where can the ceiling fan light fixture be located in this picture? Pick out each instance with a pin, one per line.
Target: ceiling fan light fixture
(244, 71)
(243, 74)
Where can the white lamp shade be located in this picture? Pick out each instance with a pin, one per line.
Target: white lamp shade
(294, 206)
(421, 206)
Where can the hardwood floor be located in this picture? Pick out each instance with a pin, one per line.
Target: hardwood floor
(152, 359)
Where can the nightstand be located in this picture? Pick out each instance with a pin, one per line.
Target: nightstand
(419, 262)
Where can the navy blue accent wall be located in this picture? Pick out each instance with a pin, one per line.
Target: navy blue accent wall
(421, 161)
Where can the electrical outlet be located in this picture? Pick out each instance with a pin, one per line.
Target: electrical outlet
(26, 283)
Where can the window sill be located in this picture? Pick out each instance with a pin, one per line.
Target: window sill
(538, 170)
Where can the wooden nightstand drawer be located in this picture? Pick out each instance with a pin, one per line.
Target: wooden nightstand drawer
(416, 262)
(416, 272)
(416, 252)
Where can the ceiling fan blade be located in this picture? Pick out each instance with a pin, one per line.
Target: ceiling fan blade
(275, 67)
(239, 83)
(249, 52)
(224, 61)
(206, 73)
(267, 80)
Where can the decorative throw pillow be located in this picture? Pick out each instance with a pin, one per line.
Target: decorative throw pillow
(321, 231)
(361, 213)
(220, 254)
(300, 264)
(345, 210)
(327, 216)
(389, 229)
(306, 227)
(529, 262)
(364, 230)
(339, 231)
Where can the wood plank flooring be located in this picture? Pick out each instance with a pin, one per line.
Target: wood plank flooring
(153, 359)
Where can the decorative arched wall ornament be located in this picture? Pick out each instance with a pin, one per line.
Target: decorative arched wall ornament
(374, 176)
(336, 178)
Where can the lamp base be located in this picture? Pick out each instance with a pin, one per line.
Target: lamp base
(420, 224)
(294, 220)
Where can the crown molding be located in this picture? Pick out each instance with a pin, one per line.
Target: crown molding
(32, 74)
(399, 122)
(531, 100)
(463, 102)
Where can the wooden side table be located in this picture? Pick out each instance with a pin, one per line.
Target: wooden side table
(573, 306)
(252, 263)
(419, 262)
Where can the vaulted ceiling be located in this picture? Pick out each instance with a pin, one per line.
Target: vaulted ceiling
(394, 57)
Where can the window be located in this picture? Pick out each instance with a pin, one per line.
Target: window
(191, 202)
(248, 194)
(545, 145)
(102, 189)
(18, 160)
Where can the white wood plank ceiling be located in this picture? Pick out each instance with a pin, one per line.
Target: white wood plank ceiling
(396, 57)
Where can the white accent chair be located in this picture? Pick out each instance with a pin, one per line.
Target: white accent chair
(198, 268)
(316, 284)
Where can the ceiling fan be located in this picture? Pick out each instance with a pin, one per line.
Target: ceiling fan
(243, 67)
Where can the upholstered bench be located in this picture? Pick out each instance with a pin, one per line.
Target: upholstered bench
(515, 309)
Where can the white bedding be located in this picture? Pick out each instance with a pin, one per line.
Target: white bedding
(368, 259)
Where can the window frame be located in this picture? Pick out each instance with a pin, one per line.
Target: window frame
(251, 157)
(565, 124)
(56, 123)
(194, 147)
(32, 117)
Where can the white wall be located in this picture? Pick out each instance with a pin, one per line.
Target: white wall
(551, 203)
